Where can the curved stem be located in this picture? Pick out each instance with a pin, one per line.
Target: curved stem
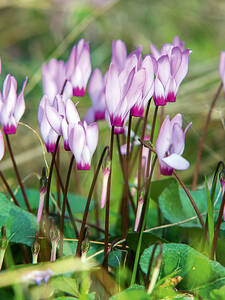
(108, 202)
(78, 252)
(50, 175)
(191, 199)
(125, 215)
(141, 148)
(151, 138)
(200, 148)
(17, 173)
(9, 189)
(217, 229)
(64, 205)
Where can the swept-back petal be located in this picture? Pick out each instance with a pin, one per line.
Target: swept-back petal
(155, 51)
(164, 139)
(176, 161)
(96, 86)
(178, 139)
(77, 140)
(72, 115)
(176, 57)
(222, 66)
(54, 118)
(113, 93)
(92, 137)
(164, 69)
(20, 104)
(119, 54)
(183, 69)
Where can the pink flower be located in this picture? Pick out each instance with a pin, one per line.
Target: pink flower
(2, 145)
(171, 68)
(170, 145)
(11, 107)
(105, 177)
(148, 88)
(96, 90)
(60, 115)
(48, 134)
(122, 91)
(83, 140)
(222, 67)
(78, 67)
(53, 76)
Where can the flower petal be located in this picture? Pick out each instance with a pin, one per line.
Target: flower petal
(2, 145)
(92, 137)
(176, 161)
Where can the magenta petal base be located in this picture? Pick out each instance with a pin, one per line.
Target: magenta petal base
(66, 146)
(116, 121)
(51, 147)
(171, 97)
(159, 101)
(78, 92)
(167, 171)
(9, 129)
(137, 111)
(83, 167)
(99, 115)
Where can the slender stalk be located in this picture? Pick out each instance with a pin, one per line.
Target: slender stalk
(67, 203)
(9, 189)
(200, 148)
(142, 223)
(17, 173)
(50, 175)
(57, 162)
(141, 148)
(217, 229)
(82, 230)
(96, 202)
(190, 197)
(125, 215)
(135, 134)
(151, 137)
(64, 205)
(123, 172)
(105, 263)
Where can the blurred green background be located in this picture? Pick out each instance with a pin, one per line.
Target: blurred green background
(32, 32)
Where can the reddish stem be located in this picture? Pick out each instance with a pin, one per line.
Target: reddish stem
(200, 148)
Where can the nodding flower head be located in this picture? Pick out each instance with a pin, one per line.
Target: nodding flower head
(170, 145)
(171, 68)
(83, 140)
(12, 107)
(96, 90)
(53, 78)
(78, 67)
(122, 92)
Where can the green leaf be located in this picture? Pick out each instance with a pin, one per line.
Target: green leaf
(148, 240)
(218, 294)
(210, 208)
(176, 206)
(20, 224)
(199, 273)
(66, 285)
(158, 186)
(136, 292)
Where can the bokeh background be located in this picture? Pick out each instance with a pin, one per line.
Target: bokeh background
(32, 32)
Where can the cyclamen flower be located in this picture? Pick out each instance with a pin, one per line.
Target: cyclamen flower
(148, 88)
(61, 116)
(78, 67)
(170, 145)
(122, 92)
(96, 90)
(83, 140)
(171, 68)
(53, 76)
(11, 107)
(48, 134)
